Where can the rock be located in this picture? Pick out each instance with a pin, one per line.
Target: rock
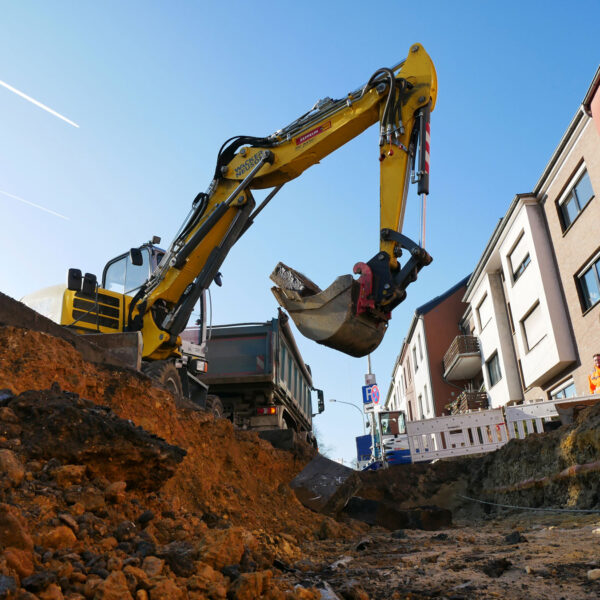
(39, 581)
(125, 531)
(145, 518)
(19, 560)
(180, 557)
(11, 466)
(92, 499)
(138, 574)
(593, 574)
(12, 532)
(69, 475)
(399, 534)
(6, 394)
(92, 583)
(514, 537)
(495, 567)
(8, 586)
(329, 530)
(69, 520)
(166, 589)
(353, 591)
(222, 547)
(325, 486)
(153, 566)
(52, 592)
(145, 548)
(141, 595)
(115, 492)
(60, 537)
(208, 582)
(114, 587)
(250, 586)
(108, 543)
(363, 544)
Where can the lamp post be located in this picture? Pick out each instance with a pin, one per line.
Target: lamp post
(354, 406)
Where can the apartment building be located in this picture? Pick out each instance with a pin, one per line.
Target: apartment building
(530, 320)
(534, 297)
(418, 386)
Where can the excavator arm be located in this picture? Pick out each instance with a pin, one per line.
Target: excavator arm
(400, 99)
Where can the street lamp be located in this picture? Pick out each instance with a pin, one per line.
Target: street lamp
(354, 406)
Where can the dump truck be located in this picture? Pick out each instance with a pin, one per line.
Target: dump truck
(258, 376)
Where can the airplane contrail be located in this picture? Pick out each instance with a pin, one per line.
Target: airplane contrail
(34, 205)
(39, 104)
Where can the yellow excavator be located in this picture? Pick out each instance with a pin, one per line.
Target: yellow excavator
(154, 291)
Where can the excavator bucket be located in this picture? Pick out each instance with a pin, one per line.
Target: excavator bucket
(328, 316)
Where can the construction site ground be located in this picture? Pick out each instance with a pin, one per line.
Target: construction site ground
(110, 491)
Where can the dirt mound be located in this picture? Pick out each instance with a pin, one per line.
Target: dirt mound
(226, 472)
(58, 425)
(79, 518)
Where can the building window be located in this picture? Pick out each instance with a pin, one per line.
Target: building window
(427, 405)
(421, 413)
(420, 347)
(533, 327)
(589, 285)
(565, 390)
(519, 258)
(493, 369)
(414, 352)
(575, 200)
(484, 312)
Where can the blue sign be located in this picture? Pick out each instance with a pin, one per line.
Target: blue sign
(370, 394)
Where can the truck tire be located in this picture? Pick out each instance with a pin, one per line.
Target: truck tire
(165, 372)
(215, 406)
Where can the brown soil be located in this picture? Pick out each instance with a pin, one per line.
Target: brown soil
(79, 521)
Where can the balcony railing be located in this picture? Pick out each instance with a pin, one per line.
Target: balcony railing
(463, 359)
(468, 401)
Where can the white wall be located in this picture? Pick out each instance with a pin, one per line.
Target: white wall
(538, 285)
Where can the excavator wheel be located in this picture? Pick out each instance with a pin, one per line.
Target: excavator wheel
(215, 406)
(165, 373)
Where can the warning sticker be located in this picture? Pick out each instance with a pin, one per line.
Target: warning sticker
(309, 135)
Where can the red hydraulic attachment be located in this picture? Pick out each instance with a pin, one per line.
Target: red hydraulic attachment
(365, 281)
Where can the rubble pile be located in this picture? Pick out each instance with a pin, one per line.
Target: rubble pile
(109, 491)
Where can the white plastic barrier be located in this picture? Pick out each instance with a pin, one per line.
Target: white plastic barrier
(523, 419)
(456, 435)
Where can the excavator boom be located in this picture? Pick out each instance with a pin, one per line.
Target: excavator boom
(351, 315)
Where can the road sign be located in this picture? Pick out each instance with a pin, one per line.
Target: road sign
(370, 395)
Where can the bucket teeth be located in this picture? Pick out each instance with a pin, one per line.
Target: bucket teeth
(328, 316)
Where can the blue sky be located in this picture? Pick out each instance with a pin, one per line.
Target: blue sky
(156, 87)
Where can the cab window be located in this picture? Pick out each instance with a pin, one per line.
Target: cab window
(114, 278)
(135, 276)
(124, 277)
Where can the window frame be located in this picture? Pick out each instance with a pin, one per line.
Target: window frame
(482, 326)
(517, 271)
(488, 362)
(561, 387)
(528, 314)
(594, 264)
(570, 193)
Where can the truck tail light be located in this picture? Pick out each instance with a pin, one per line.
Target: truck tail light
(266, 410)
(201, 366)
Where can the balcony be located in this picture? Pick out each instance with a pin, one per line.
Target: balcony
(468, 401)
(463, 359)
